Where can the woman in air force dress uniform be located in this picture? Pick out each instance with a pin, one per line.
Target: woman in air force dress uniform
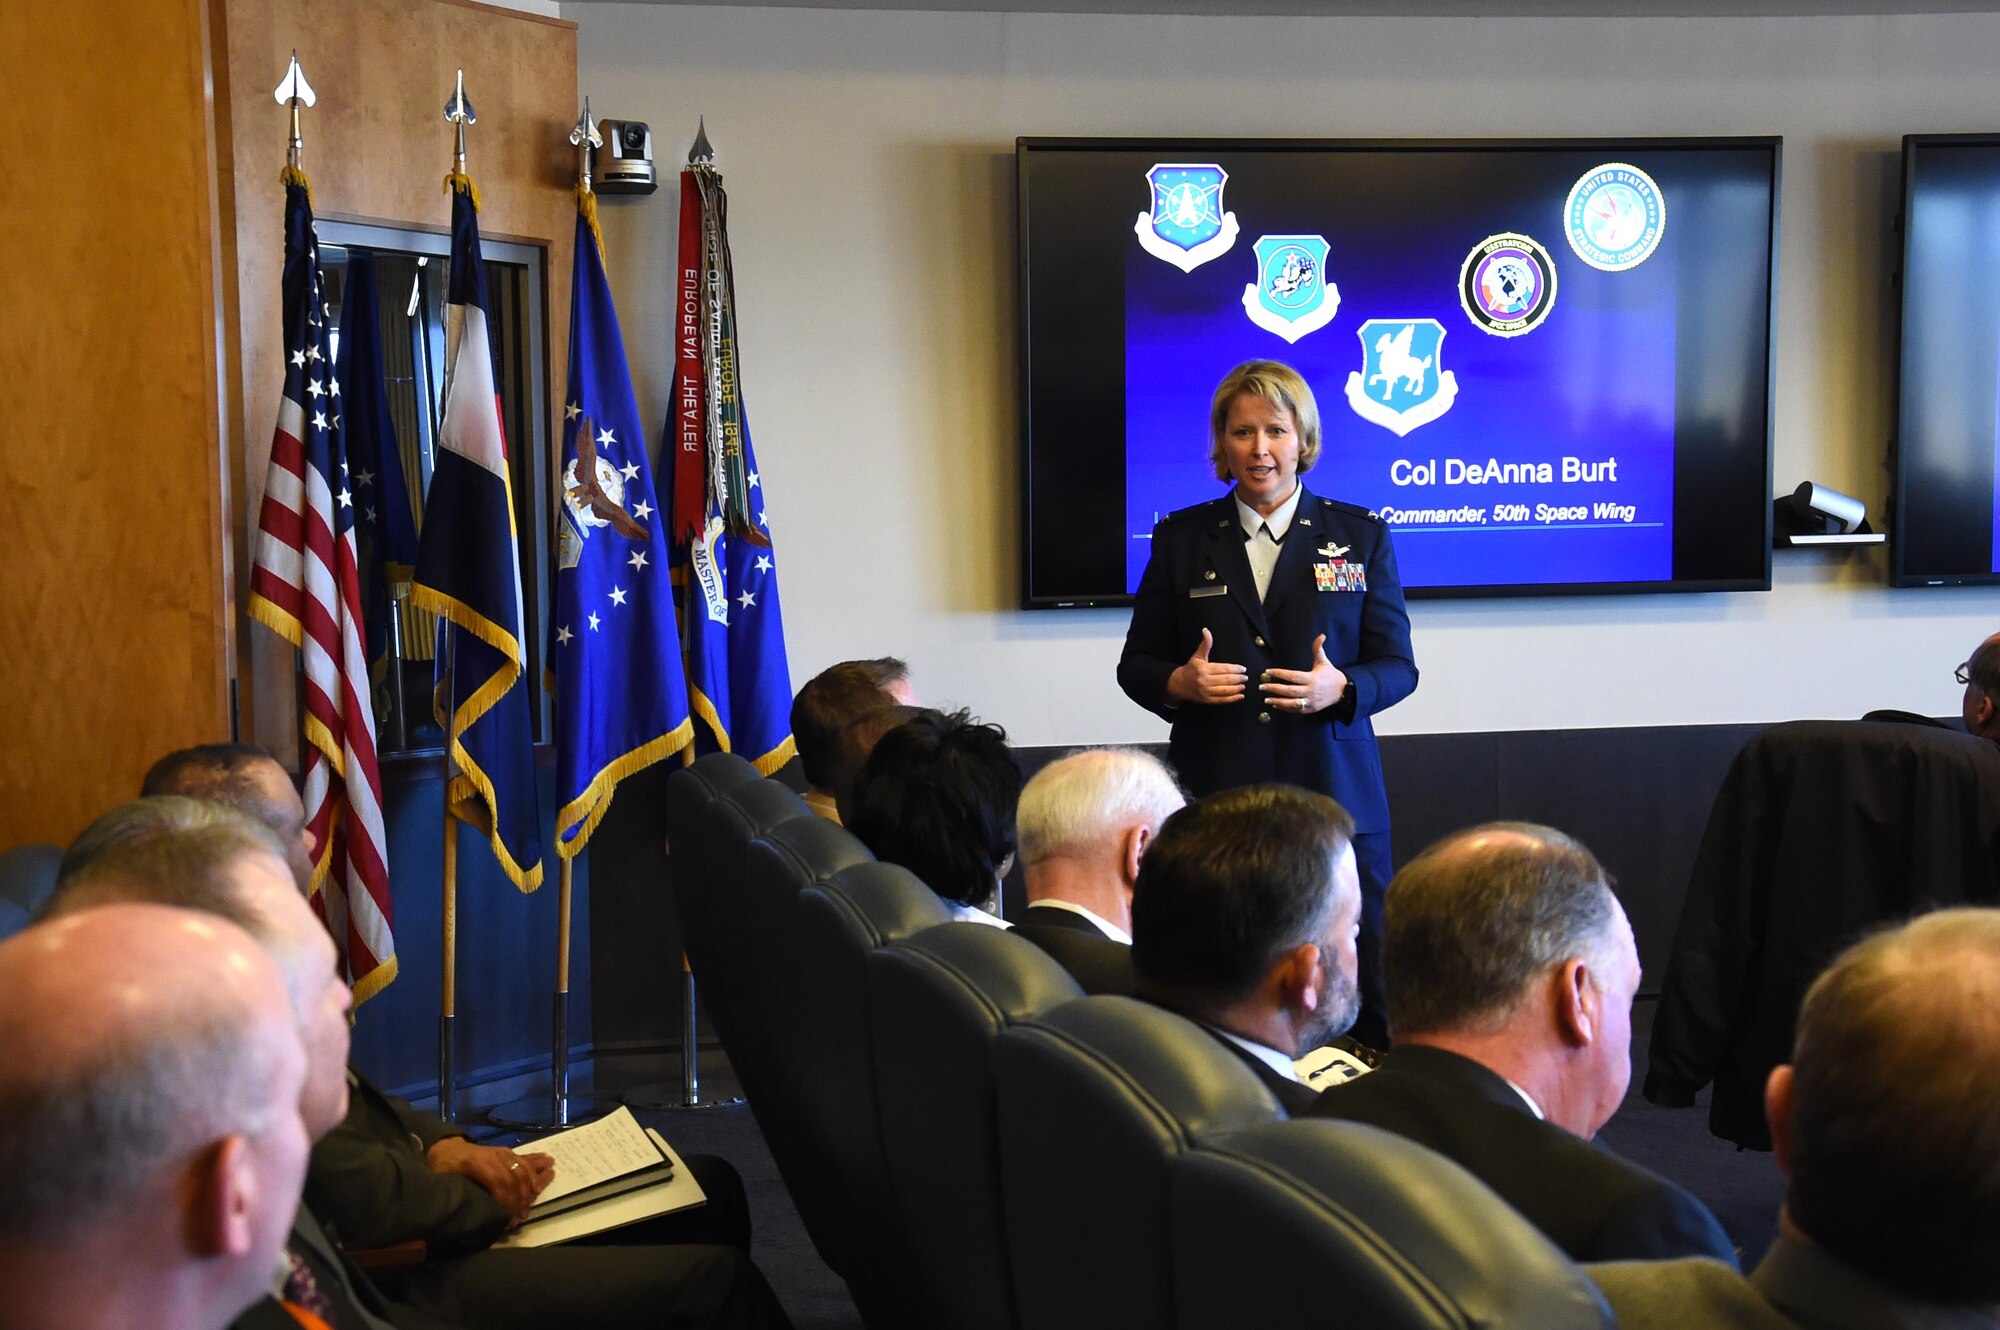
(1269, 626)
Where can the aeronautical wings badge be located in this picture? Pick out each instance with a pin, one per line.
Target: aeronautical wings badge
(1401, 384)
(1292, 295)
(1186, 225)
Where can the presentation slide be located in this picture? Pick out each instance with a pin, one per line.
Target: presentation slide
(1491, 344)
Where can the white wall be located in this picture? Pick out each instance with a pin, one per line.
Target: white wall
(868, 157)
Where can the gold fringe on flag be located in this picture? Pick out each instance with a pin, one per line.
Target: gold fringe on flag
(296, 175)
(460, 181)
(586, 203)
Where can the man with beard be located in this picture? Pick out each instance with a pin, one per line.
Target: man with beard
(1244, 919)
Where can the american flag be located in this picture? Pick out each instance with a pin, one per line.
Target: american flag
(305, 584)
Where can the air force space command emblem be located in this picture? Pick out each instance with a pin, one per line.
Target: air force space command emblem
(1615, 216)
(1186, 225)
(1400, 384)
(1291, 296)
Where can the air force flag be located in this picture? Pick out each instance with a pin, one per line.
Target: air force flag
(1186, 225)
(615, 655)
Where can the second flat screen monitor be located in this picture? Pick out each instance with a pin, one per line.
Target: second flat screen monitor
(1545, 364)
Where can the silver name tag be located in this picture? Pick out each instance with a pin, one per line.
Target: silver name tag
(1204, 592)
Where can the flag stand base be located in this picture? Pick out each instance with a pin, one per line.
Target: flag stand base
(670, 1096)
(538, 1113)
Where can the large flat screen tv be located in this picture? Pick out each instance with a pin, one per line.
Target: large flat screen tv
(1546, 364)
(1945, 522)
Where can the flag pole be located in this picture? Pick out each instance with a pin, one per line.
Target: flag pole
(448, 1010)
(458, 113)
(562, 1110)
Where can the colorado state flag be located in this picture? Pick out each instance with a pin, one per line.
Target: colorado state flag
(469, 574)
(614, 654)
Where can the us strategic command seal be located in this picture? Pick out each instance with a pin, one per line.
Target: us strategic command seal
(1401, 383)
(1186, 225)
(1291, 296)
(1615, 216)
(1507, 284)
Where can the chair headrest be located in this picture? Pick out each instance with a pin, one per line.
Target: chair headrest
(1010, 978)
(1119, 1050)
(1380, 1217)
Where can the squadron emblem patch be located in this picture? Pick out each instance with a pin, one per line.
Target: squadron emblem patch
(1186, 225)
(1292, 295)
(1401, 384)
(1507, 284)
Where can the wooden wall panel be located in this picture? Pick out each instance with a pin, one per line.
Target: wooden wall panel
(113, 626)
(377, 149)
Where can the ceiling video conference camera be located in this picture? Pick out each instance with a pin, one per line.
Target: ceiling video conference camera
(624, 165)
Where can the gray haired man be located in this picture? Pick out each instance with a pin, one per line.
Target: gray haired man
(1511, 970)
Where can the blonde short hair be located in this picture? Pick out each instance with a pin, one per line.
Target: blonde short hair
(1281, 386)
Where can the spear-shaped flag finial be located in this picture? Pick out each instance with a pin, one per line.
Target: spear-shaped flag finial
(294, 91)
(458, 111)
(586, 138)
(701, 154)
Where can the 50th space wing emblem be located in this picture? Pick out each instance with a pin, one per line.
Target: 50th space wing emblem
(1186, 225)
(1292, 295)
(1401, 383)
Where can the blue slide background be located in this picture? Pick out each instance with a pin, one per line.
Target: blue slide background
(1595, 380)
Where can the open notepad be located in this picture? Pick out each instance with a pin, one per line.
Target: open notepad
(608, 1174)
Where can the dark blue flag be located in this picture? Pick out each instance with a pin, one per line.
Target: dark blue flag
(383, 519)
(614, 654)
(469, 574)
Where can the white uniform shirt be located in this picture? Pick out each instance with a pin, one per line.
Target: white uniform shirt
(1266, 535)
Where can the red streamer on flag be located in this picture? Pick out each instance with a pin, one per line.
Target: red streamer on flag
(689, 434)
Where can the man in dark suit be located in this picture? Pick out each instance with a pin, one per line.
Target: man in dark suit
(382, 1173)
(1084, 825)
(1884, 1126)
(1244, 920)
(1269, 627)
(1511, 972)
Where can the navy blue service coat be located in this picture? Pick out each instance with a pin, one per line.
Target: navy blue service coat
(1199, 577)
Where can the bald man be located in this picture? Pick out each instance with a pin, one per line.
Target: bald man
(1511, 970)
(386, 1173)
(175, 1029)
(1884, 1126)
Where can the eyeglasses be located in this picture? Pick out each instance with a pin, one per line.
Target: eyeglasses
(1963, 673)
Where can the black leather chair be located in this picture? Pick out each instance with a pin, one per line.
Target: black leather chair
(1334, 1223)
(27, 876)
(774, 1000)
(1096, 1097)
(836, 925)
(1823, 830)
(737, 933)
(691, 869)
(936, 1003)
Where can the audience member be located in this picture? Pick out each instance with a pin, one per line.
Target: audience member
(1085, 822)
(1885, 1127)
(202, 856)
(152, 1144)
(830, 701)
(1244, 919)
(248, 779)
(938, 795)
(853, 744)
(386, 1173)
(1980, 706)
(1511, 971)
